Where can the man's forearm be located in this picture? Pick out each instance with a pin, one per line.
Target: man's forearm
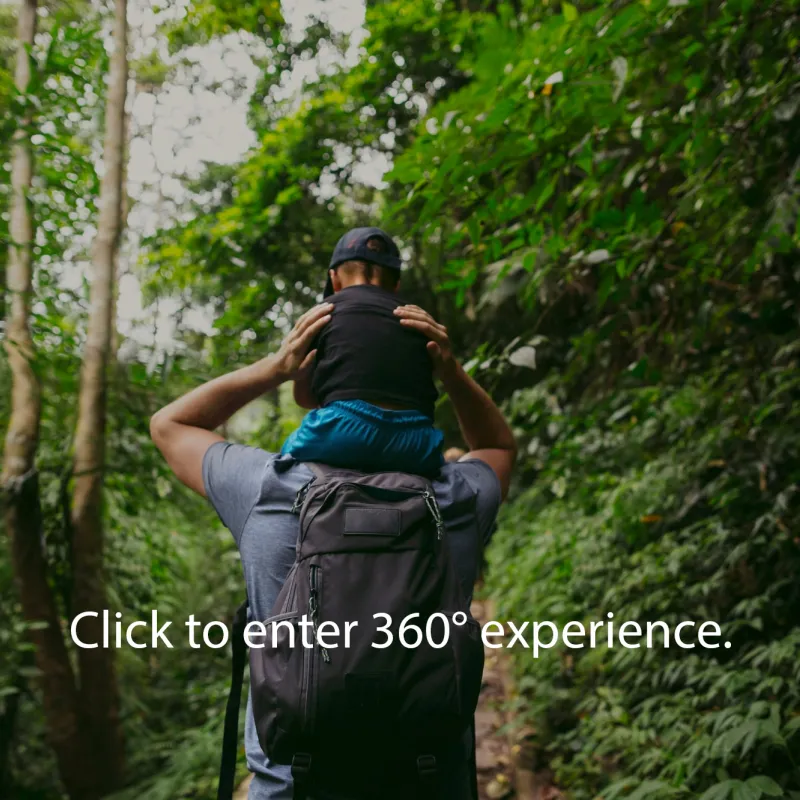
(214, 403)
(184, 430)
(482, 424)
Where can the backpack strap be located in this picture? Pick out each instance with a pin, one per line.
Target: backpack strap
(473, 763)
(319, 470)
(227, 770)
(301, 768)
(324, 471)
(427, 774)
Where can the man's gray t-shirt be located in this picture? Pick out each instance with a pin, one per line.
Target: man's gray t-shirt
(253, 492)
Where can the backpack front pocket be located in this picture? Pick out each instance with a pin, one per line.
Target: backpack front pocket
(277, 667)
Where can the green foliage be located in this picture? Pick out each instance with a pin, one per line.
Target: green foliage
(615, 193)
(601, 202)
(203, 21)
(663, 503)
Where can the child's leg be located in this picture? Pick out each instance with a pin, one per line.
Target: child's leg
(330, 436)
(356, 435)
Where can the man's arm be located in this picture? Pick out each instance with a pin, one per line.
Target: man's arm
(483, 426)
(184, 430)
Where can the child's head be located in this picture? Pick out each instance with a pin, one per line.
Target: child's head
(364, 256)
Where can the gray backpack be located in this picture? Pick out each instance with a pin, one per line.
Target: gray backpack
(366, 675)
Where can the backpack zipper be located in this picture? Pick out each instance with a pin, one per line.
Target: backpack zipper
(427, 494)
(433, 507)
(311, 662)
(300, 497)
(313, 608)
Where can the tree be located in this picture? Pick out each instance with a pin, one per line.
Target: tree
(19, 478)
(99, 691)
(83, 723)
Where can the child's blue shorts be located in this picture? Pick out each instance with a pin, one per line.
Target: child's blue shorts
(354, 434)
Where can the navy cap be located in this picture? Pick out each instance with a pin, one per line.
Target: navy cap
(358, 245)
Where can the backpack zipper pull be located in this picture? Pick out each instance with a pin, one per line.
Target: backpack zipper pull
(300, 497)
(313, 610)
(433, 507)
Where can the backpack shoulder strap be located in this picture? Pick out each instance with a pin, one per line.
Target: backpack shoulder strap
(230, 738)
(324, 471)
(319, 470)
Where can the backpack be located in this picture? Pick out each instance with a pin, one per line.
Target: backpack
(370, 719)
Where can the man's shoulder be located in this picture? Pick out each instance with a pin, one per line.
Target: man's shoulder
(471, 478)
(234, 461)
(238, 477)
(231, 462)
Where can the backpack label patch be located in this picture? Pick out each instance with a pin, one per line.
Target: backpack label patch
(372, 521)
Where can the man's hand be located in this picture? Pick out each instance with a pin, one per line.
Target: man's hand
(294, 357)
(439, 345)
(184, 430)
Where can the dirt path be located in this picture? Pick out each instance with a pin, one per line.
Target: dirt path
(497, 771)
(492, 747)
(504, 769)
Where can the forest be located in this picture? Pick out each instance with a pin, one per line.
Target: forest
(600, 200)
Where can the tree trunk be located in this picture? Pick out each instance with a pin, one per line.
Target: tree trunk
(98, 684)
(19, 481)
(125, 208)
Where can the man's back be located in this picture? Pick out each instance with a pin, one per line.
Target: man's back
(253, 493)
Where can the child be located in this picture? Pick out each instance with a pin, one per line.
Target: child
(371, 386)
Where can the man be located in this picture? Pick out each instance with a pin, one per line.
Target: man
(253, 491)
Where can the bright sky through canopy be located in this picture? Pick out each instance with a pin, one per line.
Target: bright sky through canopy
(190, 122)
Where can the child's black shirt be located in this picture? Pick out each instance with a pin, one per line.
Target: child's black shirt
(364, 353)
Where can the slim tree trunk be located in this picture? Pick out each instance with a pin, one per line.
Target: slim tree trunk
(19, 479)
(125, 208)
(98, 683)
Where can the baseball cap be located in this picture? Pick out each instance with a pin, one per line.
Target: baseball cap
(358, 245)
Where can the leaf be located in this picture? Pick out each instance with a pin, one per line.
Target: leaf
(524, 357)
(597, 256)
(743, 792)
(448, 118)
(474, 229)
(556, 77)
(765, 785)
(651, 789)
(569, 11)
(547, 191)
(636, 127)
(619, 66)
(721, 790)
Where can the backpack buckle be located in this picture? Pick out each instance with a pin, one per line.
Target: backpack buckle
(301, 766)
(426, 767)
